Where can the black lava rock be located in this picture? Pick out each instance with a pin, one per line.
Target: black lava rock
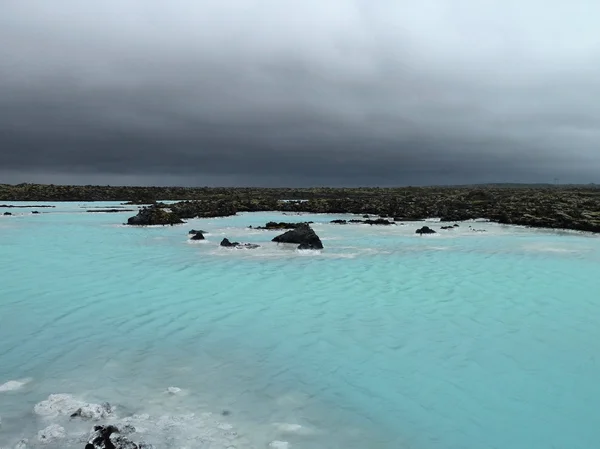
(303, 235)
(425, 230)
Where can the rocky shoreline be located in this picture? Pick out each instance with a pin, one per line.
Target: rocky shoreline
(544, 206)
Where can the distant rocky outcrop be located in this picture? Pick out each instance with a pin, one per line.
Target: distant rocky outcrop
(379, 221)
(7, 213)
(228, 244)
(545, 206)
(272, 225)
(108, 211)
(303, 235)
(37, 206)
(339, 221)
(154, 216)
(425, 230)
(203, 209)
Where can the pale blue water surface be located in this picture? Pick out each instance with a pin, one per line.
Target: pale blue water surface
(384, 339)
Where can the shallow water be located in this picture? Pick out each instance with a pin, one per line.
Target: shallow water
(461, 340)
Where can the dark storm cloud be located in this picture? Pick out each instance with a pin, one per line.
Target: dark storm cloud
(297, 93)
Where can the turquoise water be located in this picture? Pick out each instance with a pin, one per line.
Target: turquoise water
(462, 340)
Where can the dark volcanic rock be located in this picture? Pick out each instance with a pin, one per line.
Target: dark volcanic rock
(197, 236)
(272, 225)
(111, 210)
(425, 230)
(37, 206)
(303, 235)
(154, 216)
(227, 244)
(447, 227)
(545, 206)
(339, 221)
(111, 437)
(379, 221)
(7, 213)
(196, 231)
(203, 209)
(35, 212)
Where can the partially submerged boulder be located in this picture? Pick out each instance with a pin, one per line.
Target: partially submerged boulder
(303, 235)
(339, 221)
(154, 216)
(197, 236)
(228, 244)
(425, 230)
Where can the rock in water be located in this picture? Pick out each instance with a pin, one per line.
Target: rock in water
(154, 216)
(303, 235)
(227, 244)
(197, 236)
(272, 225)
(111, 437)
(379, 221)
(425, 230)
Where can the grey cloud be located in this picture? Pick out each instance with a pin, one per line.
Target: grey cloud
(270, 93)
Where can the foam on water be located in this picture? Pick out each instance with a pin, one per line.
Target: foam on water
(384, 339)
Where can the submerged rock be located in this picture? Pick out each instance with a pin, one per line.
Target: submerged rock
(22, 444)
(154, 216)
(65, 404)
(447, 227)
(279, 444)
(13, 385)
(51, 433)
(302, 235)
(196, 231)
(425, 230)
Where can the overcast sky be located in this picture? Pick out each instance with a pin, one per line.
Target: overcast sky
(307, 92)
